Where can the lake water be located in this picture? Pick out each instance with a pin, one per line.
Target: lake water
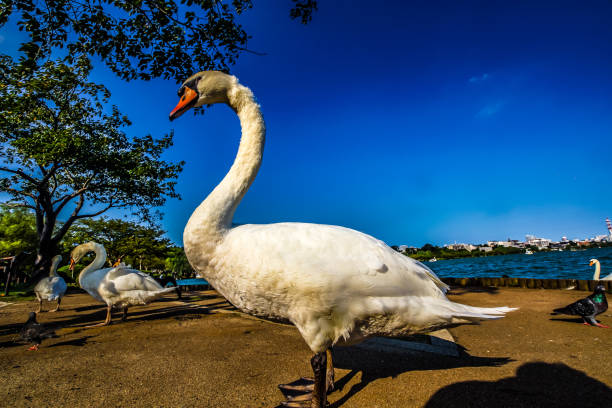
(543, 265)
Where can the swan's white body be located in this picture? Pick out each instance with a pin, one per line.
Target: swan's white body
(52, 287)
(333, 283)
(598, 270)
(118, 287)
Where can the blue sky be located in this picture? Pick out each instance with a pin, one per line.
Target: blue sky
(414, 122)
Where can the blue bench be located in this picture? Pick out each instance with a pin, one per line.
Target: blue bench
(193, 282)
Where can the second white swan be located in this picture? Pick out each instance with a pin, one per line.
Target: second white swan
(118, 287)
(52, 287)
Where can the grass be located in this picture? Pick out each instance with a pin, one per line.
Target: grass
(18, 296)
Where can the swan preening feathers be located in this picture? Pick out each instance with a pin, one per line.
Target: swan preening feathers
(336, 285)
(118, 287)
(51, 288)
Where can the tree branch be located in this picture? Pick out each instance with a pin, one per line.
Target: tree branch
(108, 207)
(67, 198)
(21, 193)
(21, 174)
(20, 205)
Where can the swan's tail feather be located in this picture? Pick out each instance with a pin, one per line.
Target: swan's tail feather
(473, 313)
(166, 290)
(144, 297)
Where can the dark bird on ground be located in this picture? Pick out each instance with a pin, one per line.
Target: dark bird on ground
(34, 332)
(588, 308)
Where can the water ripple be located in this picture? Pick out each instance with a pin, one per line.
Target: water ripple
(543, 265)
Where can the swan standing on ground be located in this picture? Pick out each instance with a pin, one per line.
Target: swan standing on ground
(336, 285)
(117, 287)
(52, 287)
(598, 270)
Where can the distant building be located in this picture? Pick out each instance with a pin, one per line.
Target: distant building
(407, 249)
(485, 248)
(537, 242)
(507, 244)
(459, 247)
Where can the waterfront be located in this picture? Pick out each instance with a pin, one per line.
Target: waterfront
(541, 265)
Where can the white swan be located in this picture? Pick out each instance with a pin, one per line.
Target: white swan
(117, 287)
(333, 283)
(598, 270)
(52, 287)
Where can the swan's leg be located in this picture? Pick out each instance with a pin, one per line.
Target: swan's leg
(319, 394)
(39, 304)
(124, 317)
(330, 385)
(107, 321)
(316, 391)
(309, 386)
(59, 300)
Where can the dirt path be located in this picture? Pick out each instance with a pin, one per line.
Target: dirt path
(202, 353)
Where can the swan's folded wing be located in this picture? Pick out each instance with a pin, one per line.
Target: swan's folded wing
(323, 255)
(124, 279)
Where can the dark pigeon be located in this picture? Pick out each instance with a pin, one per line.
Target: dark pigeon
(34, 332)
(588, 308)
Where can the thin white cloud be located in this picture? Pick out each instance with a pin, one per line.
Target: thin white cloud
(479, 78)
(490, 110)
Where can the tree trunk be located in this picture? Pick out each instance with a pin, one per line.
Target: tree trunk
(47, 249)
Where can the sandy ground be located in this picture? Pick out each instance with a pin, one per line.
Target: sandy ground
(203, 353)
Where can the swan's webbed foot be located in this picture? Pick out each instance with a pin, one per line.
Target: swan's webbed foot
(99, 325)
(299, 401)
(33, 348)
(107, 321)
(57, 307)
(602, 325)
(308, 392)
(298, 386)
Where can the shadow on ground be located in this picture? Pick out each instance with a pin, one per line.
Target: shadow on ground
(567, 320)
(88, 315)
(375, 365)
(540, 385)
(460, 290)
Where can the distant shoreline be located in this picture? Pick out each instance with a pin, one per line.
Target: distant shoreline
(441, 253)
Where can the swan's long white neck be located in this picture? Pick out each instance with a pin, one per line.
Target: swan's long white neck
(54, 265)
(597, 271)
(97, 263)
(213, 217)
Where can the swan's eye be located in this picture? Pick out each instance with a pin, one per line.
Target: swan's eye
(181, 91)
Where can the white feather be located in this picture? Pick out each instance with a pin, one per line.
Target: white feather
(52, 287)
(333, 283)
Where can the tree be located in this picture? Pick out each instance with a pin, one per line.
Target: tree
(177, 262)
(61, 150)
(145, 247)
(17, 244)
(140, 38)
(17, 231)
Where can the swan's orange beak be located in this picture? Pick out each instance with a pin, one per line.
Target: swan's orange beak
(591, 263)
(188, 98)
(71, 267)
